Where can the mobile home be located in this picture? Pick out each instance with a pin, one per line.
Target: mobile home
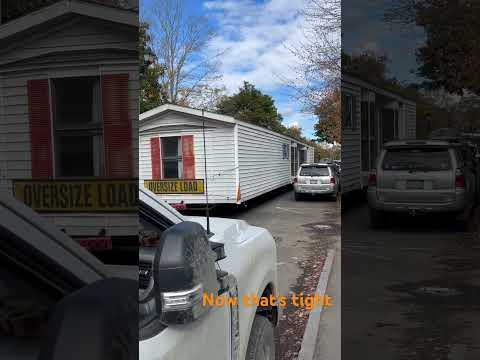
(68, 113)
(242, 160)
(371, 116)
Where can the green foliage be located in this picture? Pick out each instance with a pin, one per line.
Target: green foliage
(373, 68)
(252, 106)
(150, 72)
(328, 129)
(449, 54)
(449, 57)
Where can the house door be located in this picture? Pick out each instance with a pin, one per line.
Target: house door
(389, 125)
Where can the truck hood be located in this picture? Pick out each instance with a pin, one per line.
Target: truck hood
(225, 230)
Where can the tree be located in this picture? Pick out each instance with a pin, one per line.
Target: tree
(152, 93)
(319, 58)
(294, 132)
(373, 68)
(328, 129)
(252, 106)
(449, 58)
(181, 45)
(367, 66)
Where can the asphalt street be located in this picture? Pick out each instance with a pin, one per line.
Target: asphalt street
(329, 342)
(409, 291)
(304, 231)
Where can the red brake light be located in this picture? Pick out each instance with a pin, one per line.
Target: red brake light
(332, 180)
(372, 180)
(460, 181)
(295, 179)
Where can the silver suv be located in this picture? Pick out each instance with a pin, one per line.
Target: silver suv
(316, 179)
(420, 177)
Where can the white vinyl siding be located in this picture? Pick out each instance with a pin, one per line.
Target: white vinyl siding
(77, 34)
(351, 150)
(260, 156)
(220, 156)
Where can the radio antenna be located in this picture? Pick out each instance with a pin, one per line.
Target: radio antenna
(207, 211)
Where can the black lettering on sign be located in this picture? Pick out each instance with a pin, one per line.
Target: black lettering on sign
(36, 196)
(63, 196)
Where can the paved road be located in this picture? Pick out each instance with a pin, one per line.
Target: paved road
(329, 343)
(411, 291)
(304, 231)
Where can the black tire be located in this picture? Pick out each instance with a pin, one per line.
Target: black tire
(377, 219)
(298, 196)
(261, 344)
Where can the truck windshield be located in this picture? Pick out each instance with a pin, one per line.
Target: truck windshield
(314, 171)
(417, 159)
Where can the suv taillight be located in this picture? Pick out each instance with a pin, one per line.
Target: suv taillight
(332, 180)
(372, 179)
(295, 179)
(459, 179)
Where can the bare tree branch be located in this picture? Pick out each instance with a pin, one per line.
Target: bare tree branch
(181, 44)
(319, 54)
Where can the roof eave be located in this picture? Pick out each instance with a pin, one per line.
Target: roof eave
(64, 7)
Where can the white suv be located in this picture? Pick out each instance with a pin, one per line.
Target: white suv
(316, 179)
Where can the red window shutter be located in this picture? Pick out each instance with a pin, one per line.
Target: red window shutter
(40, 129)
(156, 158)
(188, 157)
(117, 127)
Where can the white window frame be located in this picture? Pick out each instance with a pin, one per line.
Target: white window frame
(178, 158)
(93, 129)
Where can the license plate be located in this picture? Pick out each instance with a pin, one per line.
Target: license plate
(96, 244)
(415, 184)
(313, 182)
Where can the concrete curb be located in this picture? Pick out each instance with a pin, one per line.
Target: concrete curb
(307, 350)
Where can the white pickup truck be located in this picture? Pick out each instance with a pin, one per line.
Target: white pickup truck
(179, 263)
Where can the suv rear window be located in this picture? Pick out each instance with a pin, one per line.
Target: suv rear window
(421, 159)
(314, 171)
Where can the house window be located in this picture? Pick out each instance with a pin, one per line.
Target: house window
(172, 162)
(285, 151)
(293, 161)
(349, 111)
(77, 127)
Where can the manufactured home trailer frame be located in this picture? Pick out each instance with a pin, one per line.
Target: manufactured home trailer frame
(243, 160)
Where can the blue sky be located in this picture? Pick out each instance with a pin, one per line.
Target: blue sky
(255, 36)
(363, 28)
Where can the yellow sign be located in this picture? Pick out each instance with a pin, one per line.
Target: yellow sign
(175, 186)
(78, 195)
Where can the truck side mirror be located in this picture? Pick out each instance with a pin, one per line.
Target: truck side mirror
(183, 270)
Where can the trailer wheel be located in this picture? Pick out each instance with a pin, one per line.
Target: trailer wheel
(261, 345)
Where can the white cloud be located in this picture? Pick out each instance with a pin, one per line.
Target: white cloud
(255, 38)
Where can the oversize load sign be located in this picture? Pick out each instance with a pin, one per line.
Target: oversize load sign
(78, 195)
(175, 186)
